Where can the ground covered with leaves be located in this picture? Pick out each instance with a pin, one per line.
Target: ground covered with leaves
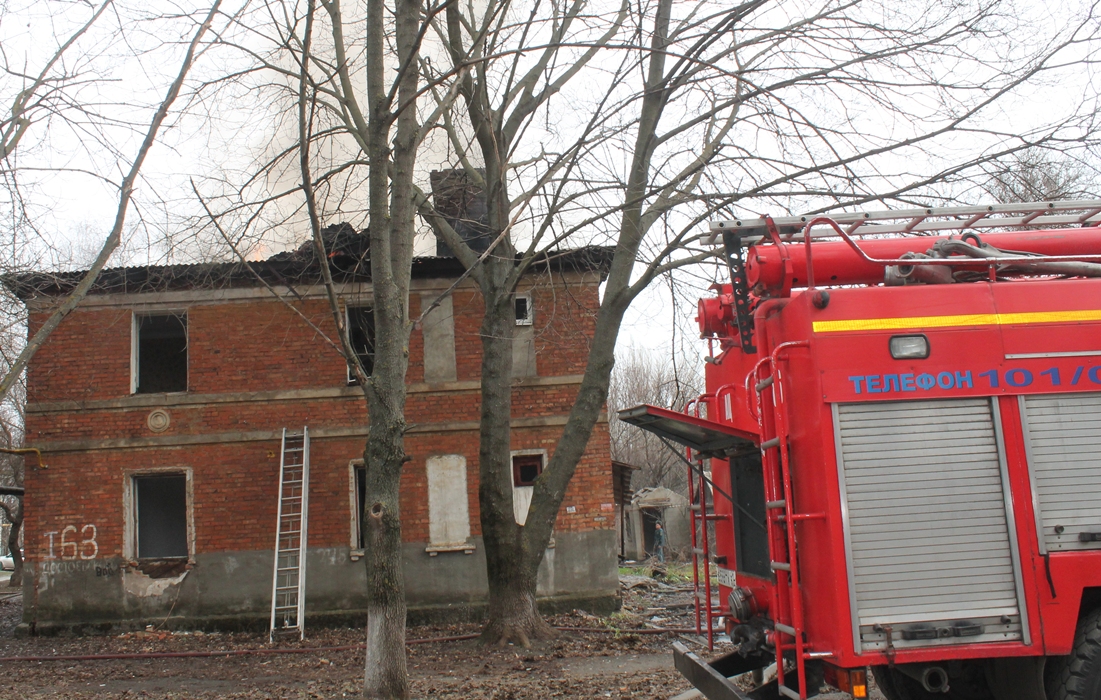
(611, 657)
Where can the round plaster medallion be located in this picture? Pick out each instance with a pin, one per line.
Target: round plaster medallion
(158, 421)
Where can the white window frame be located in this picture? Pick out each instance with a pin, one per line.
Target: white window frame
(130, 508)
(529, 318)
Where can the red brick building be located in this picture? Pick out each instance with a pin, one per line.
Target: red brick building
(160, 402)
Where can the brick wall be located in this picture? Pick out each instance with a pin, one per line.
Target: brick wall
(86, 358)
(226, 433)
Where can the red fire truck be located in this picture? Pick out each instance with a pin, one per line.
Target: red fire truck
(899, 454)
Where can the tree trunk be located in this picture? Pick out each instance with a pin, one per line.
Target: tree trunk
(513, 616)
(15, 517)
(385, 674)
(391, 237)
(550, 488)
(591, 400)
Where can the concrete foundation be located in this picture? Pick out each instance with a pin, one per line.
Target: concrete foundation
(232, 590)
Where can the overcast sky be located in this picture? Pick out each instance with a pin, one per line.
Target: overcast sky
(70, 159)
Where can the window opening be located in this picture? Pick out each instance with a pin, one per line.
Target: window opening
(361, 333)
(161, 354)
(361, 496)
(161, 505)
(526, 469)
(524, 315)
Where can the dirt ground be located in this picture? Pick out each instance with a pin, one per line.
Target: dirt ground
(610, 659)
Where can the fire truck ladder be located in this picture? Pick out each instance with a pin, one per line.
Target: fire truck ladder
(996, 216)
(788, 618)
(699, 516)
(288, 582)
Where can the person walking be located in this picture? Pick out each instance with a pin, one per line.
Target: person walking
(659, 542)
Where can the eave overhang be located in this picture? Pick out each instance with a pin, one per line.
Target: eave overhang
(707, 438)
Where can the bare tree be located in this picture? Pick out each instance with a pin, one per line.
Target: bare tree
(642, 377)
(12, 508)
(612, 123)
(44, 93)
(376, 134)
(1039, 175)
(12, 336)
(691, 108)
(392, 135)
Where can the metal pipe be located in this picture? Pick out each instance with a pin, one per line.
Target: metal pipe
(24, 451)
(928, 274)
(935, 679)
(1037, 265)
(778, 268)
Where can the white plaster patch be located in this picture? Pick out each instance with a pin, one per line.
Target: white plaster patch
(141, 586)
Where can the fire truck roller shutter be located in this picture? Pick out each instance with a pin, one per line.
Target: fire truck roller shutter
(1063, 442)
(932, 552)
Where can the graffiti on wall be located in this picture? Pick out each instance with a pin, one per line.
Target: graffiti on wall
(70, 544)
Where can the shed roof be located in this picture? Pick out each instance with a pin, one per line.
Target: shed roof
(657, 497)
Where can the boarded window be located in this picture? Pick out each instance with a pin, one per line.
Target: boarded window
(448, 509)
(161, 354)
(439, 339)
(361, 333)
(160, 503)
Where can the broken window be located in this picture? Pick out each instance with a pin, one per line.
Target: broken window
(526, 468)
(361, 496)
(160, 353)
(524, 311)
(361, 333)
(160, 507)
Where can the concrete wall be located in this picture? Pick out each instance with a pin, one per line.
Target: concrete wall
(232, 590)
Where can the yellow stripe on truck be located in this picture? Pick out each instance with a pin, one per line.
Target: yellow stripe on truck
(962, 320)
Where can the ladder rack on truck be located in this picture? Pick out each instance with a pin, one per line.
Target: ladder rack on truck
(920, 221)
(904, 427)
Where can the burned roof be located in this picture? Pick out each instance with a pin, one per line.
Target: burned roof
(347, 252)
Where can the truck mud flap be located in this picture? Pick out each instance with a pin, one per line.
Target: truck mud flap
(705, 677)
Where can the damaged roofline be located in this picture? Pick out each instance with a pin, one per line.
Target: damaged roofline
(285, 269)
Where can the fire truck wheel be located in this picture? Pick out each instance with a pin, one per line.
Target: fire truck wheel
(897, 686)
(969, 684)
(1077, 676)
